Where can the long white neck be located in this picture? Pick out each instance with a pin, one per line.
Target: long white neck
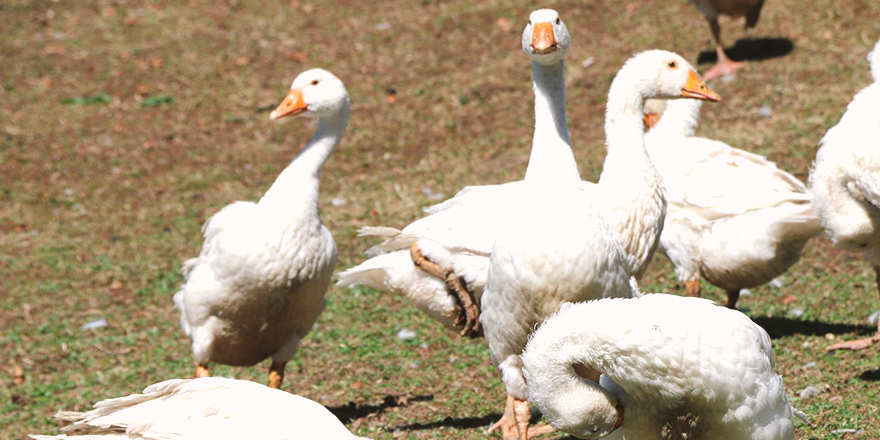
(634, 194)
(570, 402)
(551, 157)
(680, 118)
(296, 188)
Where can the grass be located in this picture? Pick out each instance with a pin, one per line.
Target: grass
(100, 204)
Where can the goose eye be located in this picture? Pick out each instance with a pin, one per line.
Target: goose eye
(558, 21)
(314, 82)
(672, 64)
(530, 22)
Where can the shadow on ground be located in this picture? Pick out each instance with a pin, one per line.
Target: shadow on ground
(751, 49)
(463, 422)
(351, 411)
(870, 375)
(452, 422)
(780, 327)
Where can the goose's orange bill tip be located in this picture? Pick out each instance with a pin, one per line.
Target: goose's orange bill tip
(292, 105)
(697, 89)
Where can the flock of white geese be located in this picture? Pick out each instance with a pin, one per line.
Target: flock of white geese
(550, 252)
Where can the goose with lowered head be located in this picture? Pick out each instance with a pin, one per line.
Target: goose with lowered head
(845, 181)
(556, 247)
(206, 408)
(257, 287)
(671, 368)
(440, 261)
(733, 217)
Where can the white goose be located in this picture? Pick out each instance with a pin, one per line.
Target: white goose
(206, 408)
(845, 181)
(671, 368)
(733, 218)
(555, 247)
(258, 285)
(441, 261)
(456, 239)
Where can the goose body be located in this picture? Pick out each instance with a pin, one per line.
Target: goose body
(557, 247)
(672, 367)
(257, 287)
(845, 179)
(206, 408)
(733, 218)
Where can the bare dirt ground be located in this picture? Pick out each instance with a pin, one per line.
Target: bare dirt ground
(125, 124)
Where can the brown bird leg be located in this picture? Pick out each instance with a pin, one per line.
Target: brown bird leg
(276, 374)
(469, 313)
(732, 296)
(725, 65)
(859, 344)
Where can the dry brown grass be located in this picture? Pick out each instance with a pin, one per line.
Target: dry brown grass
(101, 203)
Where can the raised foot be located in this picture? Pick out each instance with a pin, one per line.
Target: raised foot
(724, 67)
(468, 313)
(857, 344)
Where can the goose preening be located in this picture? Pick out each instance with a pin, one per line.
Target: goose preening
(712, 9)
(733, 217)
(441, 261)
(206, 408)
(258, 285)
(556, 246)
(845, 181)
(671, 368)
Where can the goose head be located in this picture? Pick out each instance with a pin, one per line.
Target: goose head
(874, 62)
(545, 39)
(315, 93)
(663, 74)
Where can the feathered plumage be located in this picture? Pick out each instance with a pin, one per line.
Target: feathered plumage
(672, 368)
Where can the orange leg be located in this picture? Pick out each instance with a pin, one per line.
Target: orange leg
(276, 374)
(692, 288)
(506, 423)
(469, 313)
(202, 371)
(514, 423)
(650, 120)
(522, 413)
(859, 344)
(725, 65)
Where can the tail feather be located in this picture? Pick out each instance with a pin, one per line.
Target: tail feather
(374, 272)
(801, 225)
(378, 231)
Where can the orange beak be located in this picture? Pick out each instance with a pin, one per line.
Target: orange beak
(292, 105)
(543, 40)
(696, 89)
